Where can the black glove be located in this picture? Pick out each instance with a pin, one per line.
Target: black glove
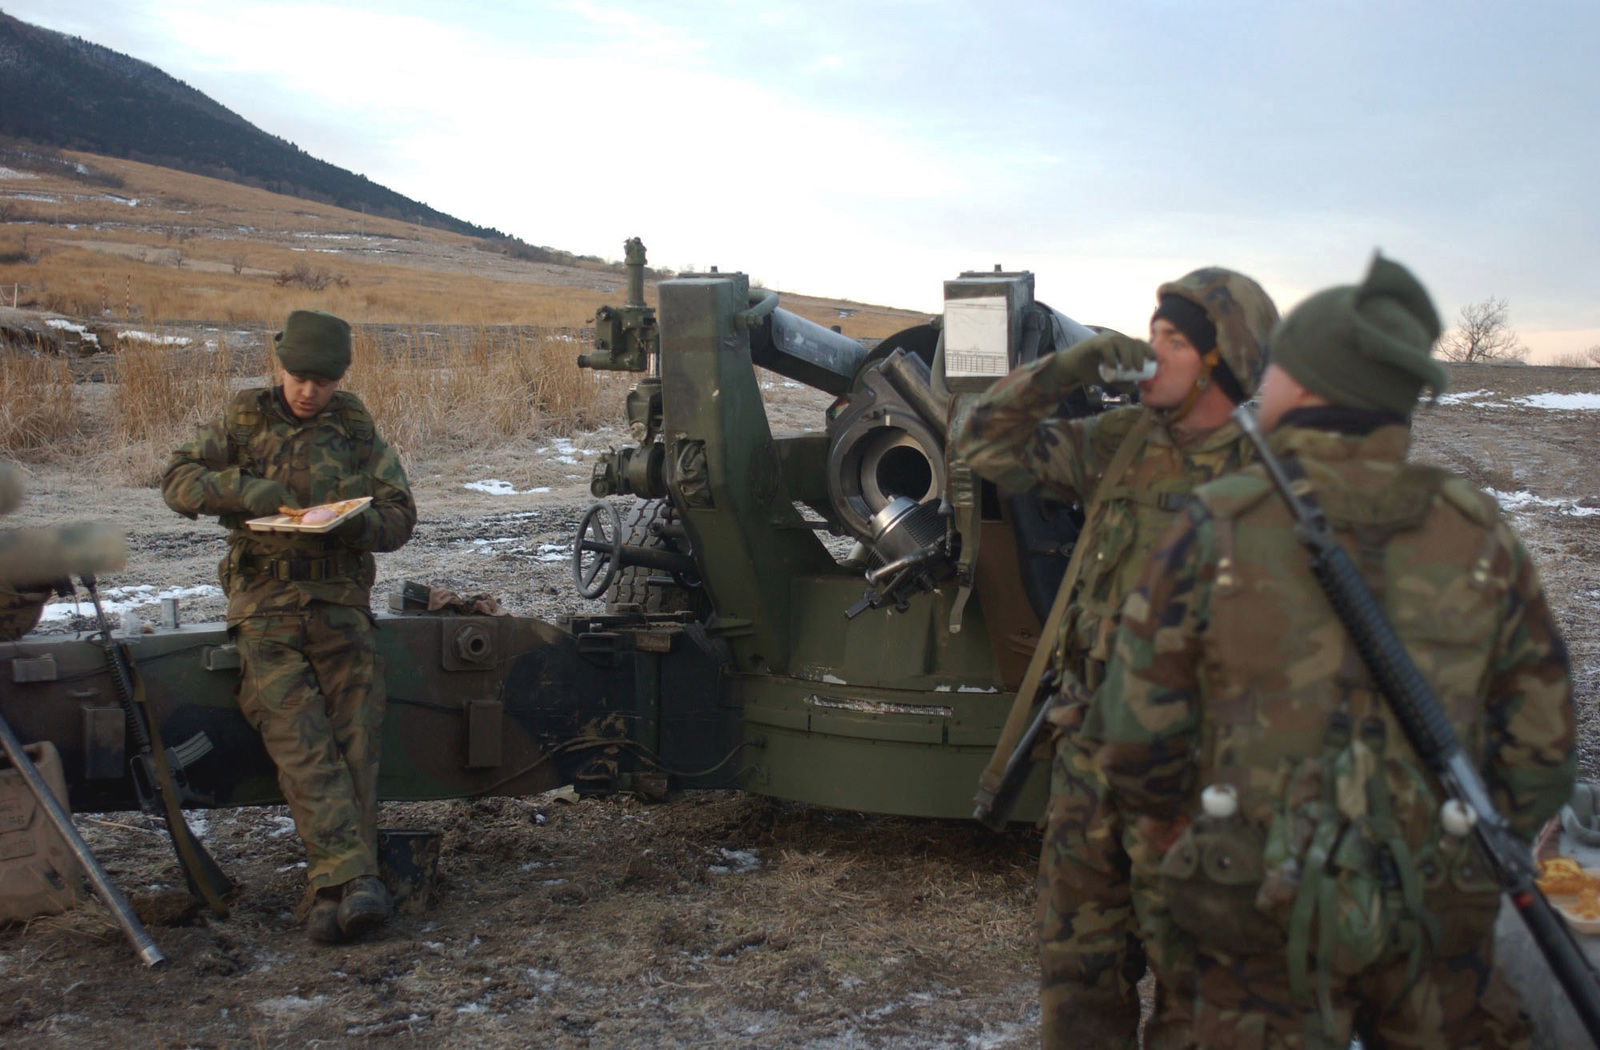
(353, 528)
(262, 496)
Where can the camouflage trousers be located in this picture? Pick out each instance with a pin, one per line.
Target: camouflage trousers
(1460, 1001)
(312, 685)
(1097, 891)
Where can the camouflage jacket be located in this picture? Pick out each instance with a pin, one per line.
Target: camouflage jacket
(1229, 659)
(335, 455)
(1012, 438)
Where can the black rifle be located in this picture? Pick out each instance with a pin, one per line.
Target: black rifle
(148, 953)
(994, 811)
(151, 769)
(1429, 732)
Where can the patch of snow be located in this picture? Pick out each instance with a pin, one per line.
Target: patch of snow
(829, 679)
(12, 173)
(43, 198)
(1562, 402)
(63, 324)
(553, 552)
(125, 599)
(290, 1004)
(739, 862)
(497, 487)
(133, 335)
(1525, 500)
(976, 689)
(1550, 401)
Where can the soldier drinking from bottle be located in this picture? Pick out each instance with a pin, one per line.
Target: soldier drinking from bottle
(299, 602)
(1134, 468)
(1304, 844)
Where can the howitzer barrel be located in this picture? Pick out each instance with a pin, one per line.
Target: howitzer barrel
(39, 556)
(806, 352)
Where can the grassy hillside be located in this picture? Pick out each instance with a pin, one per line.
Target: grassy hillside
(100, 237)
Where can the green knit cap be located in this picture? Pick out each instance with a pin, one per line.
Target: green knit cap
(314, 343)
(1367, 345)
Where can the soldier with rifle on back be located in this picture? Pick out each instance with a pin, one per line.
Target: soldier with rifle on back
(1251, 714)
(299, 603)
(1134, 467)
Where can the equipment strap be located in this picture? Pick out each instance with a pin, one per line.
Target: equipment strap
(1017, 719)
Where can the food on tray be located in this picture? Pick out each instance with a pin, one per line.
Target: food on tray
(309, 519)
(1564, 875)
(1588, 906)
(318, 515)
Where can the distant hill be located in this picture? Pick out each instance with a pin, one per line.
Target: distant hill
(64, 91)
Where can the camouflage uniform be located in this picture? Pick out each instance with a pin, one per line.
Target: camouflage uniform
(298, 605)
(1229, 668)
(1091, 955)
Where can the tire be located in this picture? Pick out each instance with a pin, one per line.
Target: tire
(651, 590)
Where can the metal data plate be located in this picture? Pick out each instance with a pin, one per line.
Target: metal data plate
(976, 337)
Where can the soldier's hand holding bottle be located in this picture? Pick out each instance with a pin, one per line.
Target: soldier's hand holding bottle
(1107, 357)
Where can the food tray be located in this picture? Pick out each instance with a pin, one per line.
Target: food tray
(1567, 903)
(346, 508)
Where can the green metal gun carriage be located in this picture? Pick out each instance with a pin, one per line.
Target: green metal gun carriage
(838, 616)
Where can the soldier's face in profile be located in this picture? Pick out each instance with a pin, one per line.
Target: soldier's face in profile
(307, 395)
(1281, 392)
(1177, 367)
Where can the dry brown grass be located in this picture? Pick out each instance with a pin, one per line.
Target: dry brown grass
(446, 393)
(160, 394)
(39, 410)
(429, 394)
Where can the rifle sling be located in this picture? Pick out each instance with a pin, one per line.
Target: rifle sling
(1017, 719)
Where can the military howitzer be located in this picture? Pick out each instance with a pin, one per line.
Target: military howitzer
(727, 657)
(893, 710)
(1471, 809)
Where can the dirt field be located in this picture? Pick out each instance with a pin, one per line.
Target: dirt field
(716, 918)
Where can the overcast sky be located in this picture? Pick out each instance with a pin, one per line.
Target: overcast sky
(872, 148)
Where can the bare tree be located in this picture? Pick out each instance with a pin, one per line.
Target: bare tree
(1482, 335)
(1593, 354)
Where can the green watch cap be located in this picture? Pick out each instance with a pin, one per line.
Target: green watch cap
(1364, 346)
(314, 343)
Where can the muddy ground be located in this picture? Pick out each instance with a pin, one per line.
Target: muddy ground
(710, 918)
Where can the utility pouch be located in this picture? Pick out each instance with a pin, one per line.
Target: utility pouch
(1459, 882)
(1211, 877)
